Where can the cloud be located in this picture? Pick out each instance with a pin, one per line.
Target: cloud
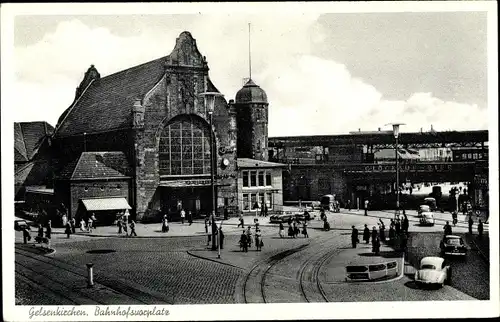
(308, 95)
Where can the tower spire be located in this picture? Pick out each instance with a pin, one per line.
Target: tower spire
(249, 54)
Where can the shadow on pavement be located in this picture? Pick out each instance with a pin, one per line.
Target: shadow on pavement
(412, 285)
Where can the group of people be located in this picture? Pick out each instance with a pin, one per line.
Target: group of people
(293, 228)
(398, 230)
(246, 239)
(480, 228)
(121, 223)
(40, 235)
(89, 224)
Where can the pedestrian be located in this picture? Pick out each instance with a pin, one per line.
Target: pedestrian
(48, 231)
(90, 223)
(480, 229)
(374, 234)
(392, 234)
(262, 211)
(132, 228)
(257, 239)
(183, 215)
(164, 224)
(376, 246)
(243, 242)
(397, 226)
(226, 213)
(304, 229)
(94, 219)
(242, 222)
(406, 223)
(249, 236)
(296, 229)
(326, 224)
(125, 228)
(366, 207)
(349, 204)
(322, 215)
(447, 229)
(265, 210)
(221, 238)
(282, 230)
(82, 225)
(382, 231)
(206, 225)
(471, 222)
(290, 230)
(366, 234)
(354, 237)
(73, 225)
(119, 224)
(67, 231)
(64, 219)
(190, 218)
(26, 234)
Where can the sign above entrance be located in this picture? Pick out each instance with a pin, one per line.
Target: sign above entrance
(186, 183)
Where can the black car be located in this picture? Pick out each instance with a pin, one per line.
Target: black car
(453, 246)
(19, 225)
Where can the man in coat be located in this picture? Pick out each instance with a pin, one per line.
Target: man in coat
(221, 238)
(480, 229)
(471, 222)
(354, 237)
(366, 234)
(447, 228)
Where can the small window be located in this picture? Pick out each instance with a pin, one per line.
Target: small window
(253, 178)
(102, 188)
(86, 188)
(261, 178)
(245, 178)
(118, 187)
(268, 179)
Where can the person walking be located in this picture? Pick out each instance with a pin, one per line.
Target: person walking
(242, 222)
(132, 228)
(26, 234)
(304, 229)
(392, 234)
(48, 231)
(296, 229)
(226, 213)
(471, 222)
(382, 230)
(366, 207)
(125, 228)
(374, 234)
(282, 230)
(480, 229)
(40, 233)
(221, 238)
(249, 236)
(447, 229)
(190, 217)
(397, 226)
(183, 215)
(349, 205)
(119, 224)
(257, 239)
(406, 223)
(243, 242)
(376, 245)
(94, 220)
(90, 225)
(265, 210)
(68, 229)
(366, 234)
(354, 237)
(290, 230)
(82, 225)
(73, 225)
(164, 225)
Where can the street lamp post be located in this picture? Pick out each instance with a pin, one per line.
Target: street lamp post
(395, 131)
(210, 106)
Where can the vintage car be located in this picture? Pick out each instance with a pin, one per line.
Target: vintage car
(433, 271)
(452, 245)
(19, 225)
(422, 209)
(431, 202)
(427, 219)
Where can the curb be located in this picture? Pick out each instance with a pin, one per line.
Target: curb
(213, 260)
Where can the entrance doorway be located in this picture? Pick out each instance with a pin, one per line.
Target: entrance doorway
(195, 199)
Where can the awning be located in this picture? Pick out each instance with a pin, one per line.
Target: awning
(106, 204)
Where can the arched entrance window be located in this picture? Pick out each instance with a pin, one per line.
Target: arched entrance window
(184, 148)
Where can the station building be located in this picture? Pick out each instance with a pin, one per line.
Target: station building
(139, 139)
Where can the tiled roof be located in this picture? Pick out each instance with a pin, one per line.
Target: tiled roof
(107, 103)
(94, 165)
(251, 163)
(28, 137)
(32, 173)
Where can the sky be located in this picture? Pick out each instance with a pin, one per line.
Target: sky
(324, 73)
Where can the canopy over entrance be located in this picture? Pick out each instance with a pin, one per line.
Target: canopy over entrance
(106, 204)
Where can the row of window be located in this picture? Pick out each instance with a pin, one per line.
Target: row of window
(472, 156)
(256, 179)
(252, 201)
(117, 187)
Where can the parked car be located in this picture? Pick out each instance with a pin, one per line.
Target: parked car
(19, 225)
(427, 219)
(431, 202)
(422, 209)
(285, 217)
(433, 271)
(452, 245)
